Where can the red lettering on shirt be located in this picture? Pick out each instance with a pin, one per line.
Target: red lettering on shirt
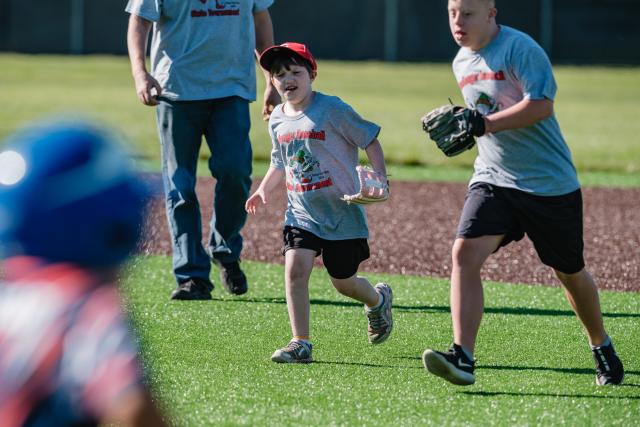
(472, 78)
(224, 12)
(301, 188)
(301, 134)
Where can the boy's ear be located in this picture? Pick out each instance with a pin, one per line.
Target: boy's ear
(493, 12)
(313, 75)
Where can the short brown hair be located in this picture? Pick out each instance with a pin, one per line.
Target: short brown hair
(286, 61)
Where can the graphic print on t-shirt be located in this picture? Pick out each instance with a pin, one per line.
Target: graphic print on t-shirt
(304, 172)
(485, 104)
(215, 8)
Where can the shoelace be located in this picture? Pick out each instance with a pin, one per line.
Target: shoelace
(232, 267)
(601, 360)
(294, 346)
(376, 320)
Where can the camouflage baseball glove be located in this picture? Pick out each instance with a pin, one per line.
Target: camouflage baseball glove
(374, 187)
(453, 128)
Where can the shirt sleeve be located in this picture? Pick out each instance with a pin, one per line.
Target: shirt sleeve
(276, 154)
(533, 70)
(151, 10)
(261, 5)
(352, 126)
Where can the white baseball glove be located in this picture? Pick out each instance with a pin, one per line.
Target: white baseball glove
(374, 187)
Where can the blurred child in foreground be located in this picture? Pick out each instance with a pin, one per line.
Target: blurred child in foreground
(71, 211)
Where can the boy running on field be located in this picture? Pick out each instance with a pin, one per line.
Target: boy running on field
(524, 182)
(315, 146)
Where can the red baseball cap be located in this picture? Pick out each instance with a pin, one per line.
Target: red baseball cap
(286, 49)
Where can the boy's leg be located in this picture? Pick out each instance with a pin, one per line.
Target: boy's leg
(300, 249)
(467, 305)
(298, 266)
(358, 288)
(555, 226)
(342, 259)
(466, 295)
(378, 302)
(297, 269)
(582, 293)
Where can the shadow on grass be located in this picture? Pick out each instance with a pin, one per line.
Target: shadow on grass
(366, 365)
(581, 396)
(581, 371)
(435, 308)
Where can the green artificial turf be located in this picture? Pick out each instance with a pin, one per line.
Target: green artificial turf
(209, 360)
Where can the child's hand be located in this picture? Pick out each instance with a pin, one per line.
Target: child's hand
(253, 202)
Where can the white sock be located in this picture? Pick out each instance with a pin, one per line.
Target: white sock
(379, 304)
(604, 344)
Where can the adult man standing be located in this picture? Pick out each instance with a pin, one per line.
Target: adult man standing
(202, 80)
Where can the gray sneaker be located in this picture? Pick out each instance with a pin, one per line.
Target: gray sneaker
(380, 320)
(295, 352)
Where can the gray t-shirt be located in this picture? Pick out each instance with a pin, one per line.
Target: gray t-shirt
(202, 49)
(534, 159)
(318, 149)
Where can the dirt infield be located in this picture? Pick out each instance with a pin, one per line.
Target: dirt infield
(412, 234)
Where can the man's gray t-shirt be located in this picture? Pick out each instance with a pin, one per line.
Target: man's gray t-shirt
(318, 149)
(202, 49)
(534, 159)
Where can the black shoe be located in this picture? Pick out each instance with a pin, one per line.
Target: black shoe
(193, 289)
(454, 365)
(232, 277)
(609, 369)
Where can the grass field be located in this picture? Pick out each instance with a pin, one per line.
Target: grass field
(596, 106)
(210, 360)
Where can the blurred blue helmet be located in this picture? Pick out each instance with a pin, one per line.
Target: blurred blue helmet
(68, 193)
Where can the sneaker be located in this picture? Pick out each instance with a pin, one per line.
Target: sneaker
(454, 365)
(232, 277)
(609, 369)
(193, 289)
(295, 352)
(380, 319)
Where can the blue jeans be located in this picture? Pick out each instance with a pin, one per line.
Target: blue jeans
(225, 124)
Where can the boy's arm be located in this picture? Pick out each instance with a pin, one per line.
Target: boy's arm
(264, 39)
(520, 115)
(376, 157)
(269, 182)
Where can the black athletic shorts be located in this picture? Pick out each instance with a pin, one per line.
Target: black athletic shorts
(553, 223)
(341, 258)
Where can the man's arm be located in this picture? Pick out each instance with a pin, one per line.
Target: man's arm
(520, 115)
(264, 39)
(137, 35)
